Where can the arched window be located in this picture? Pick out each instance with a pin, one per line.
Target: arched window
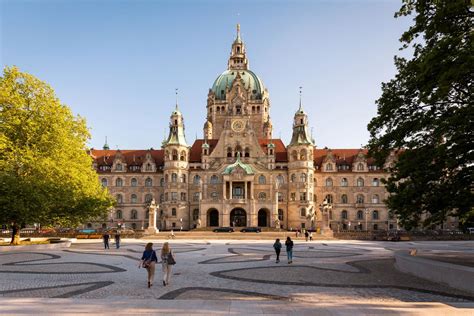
(293, 177)
(280, 179)
(344, 214)
(174, 155)
(375, 199)
(344, 182)
(247, 152)
(360, 166)
(133, 182)
(303, 154)
(162, 182)
(148, 198)
(104, 182)
(134, 214)
(360, 182)
(119, 182)
(360, 199)
(238, 150)
(375, 182)
(360, 215)
(303, 177)
(183, 178)
(375, 215)
(183, 156)
(303, 212)
(229, 152)
(294, 155)
(262, 179)
(214, 179)
(329, 167)
(344, 199)
(174, 177)
(262, 196)
(119, 198)
(329, 198)
(329, 182)
(133, 198)
(148, 182)
(196, 179)
(118, 214)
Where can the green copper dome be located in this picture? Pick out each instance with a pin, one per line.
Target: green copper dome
(225, 80)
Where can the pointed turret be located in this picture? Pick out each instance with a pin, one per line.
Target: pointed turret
(176, 135)
(301, 134)
(106, 146)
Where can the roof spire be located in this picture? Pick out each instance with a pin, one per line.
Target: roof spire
(106, 146)
(238, 30)
(301, 106)
(176, 92)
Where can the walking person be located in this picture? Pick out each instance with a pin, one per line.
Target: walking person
(148, 261)
(289, 249)
(277, 247)
(167, 262)
(117, 239)
(311, 236)
(106, 238)
(306, 235)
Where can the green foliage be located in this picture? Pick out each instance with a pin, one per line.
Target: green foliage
(426, 113)
(46, 175)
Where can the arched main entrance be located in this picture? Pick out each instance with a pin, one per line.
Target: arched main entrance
(212, 217)
(238, 217)
(263, 219)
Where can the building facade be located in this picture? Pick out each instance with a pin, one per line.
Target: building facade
(238, 174)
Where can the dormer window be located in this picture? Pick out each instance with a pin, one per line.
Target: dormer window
(360, 167)
(148, 167)
(329, 167)
(119, 167)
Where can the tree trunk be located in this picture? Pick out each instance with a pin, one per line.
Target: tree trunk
(15, 235)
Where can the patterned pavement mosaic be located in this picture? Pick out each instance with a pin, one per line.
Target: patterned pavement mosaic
(228, 270)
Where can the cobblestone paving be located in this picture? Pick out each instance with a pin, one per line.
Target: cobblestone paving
(223, 270)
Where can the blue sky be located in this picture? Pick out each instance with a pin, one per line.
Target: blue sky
(117, 63)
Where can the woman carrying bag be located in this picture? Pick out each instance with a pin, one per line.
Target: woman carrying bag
(148, 261)
(167, 262)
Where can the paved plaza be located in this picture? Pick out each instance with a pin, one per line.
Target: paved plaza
(229, 277)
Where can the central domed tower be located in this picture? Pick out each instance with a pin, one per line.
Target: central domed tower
(238, 94)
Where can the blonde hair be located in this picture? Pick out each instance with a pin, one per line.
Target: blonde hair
(165, 249)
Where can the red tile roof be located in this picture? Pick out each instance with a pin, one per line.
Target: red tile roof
(196, 149)
(280, 149)
(131, 157)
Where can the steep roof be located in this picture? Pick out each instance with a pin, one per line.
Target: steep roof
(196, 149)
(131, 157)
(280, 149)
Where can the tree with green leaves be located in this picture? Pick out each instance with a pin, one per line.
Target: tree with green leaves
(46, 174)
(425, 114)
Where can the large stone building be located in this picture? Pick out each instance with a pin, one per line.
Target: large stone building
(238, 174)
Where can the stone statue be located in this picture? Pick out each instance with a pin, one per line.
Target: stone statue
(198, 223)
(310, 216)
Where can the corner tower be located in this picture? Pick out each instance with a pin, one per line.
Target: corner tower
(301, 169)
(176, 163)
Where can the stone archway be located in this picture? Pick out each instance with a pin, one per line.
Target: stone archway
(263, 217)
(212, 218)
(238, 217)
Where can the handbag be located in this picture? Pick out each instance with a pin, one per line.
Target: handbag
(147, 263)
(170, 259)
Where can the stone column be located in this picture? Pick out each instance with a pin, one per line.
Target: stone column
(230, 188)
